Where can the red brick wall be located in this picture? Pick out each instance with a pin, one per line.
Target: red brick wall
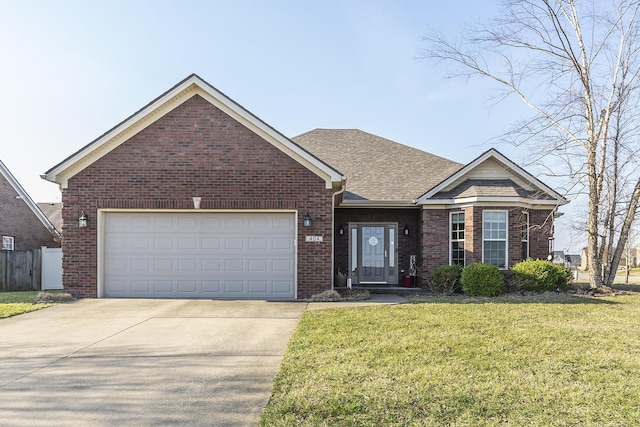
(407, 245)
(19, 221)
(435, 239)
(195, 150)
(540, 228)
(435, 235)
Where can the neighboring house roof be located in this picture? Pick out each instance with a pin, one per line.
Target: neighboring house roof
(53, 211)
(22, 194)
(377, 169)
(174, 97)
(574, 260)
(492, 178)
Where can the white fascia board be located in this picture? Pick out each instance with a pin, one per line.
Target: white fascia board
(495, 154)
(491, 201)
(175, 97)
(118, 135)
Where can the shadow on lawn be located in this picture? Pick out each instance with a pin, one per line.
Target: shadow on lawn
(546, 298)
(629, 287)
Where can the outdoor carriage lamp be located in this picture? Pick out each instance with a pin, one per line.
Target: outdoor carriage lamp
(306, 221)
(406, 230)
(82, 221)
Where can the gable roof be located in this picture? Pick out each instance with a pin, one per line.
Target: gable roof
(492, 176)
(174, 97)
(377, 169)
(490, 188)
(53, 211)
(22, 194)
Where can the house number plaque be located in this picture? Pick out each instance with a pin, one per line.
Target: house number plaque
(313, 238)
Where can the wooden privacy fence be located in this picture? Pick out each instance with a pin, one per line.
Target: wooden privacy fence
(20, 270)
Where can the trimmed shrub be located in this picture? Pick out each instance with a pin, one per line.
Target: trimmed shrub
(539, 276)
(482, 279)
(446, 279)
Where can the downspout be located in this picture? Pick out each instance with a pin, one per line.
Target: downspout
(333, 236)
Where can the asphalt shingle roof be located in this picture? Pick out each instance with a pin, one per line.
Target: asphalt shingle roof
(53, 211)
(490, 188)
(377, 168)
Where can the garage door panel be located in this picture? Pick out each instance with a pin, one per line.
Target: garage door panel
(212, 243)
(210, 265)
(283, 287)
(117, 285)
(281, 244)
(233, 265)
(258, 223)
(207, 255)
(163, 286)
(163, 264)
(140, 286)
(234, 286)
(188, 286)
(187, 265)
(141, 223)
(258, 286)
(212, 223)
(187, 243)
(211, 286)
(233, 243)
(257, 265)
(234, 223)
(259, 243)
(140, 264)
(117, 265)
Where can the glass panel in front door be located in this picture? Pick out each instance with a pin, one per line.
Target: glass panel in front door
(373, 254)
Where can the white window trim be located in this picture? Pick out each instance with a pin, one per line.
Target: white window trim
(8, 243)
(464, 256)
(505, 240)
(524, 213)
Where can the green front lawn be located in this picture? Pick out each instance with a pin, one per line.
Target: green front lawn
(14, 303)
(556, 360)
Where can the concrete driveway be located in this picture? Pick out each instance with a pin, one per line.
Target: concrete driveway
(143, 362)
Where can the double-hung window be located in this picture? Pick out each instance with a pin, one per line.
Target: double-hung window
(494, 238)
(457, 238)
(7, 243)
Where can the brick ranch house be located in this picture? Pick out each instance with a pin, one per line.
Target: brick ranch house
(195, 197)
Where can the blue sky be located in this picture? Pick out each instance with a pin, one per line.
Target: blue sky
(71, 70)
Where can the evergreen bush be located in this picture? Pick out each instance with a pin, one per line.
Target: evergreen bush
(482, 279)
(446, 279)
(540, 276)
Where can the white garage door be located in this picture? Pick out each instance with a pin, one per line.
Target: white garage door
(199, 255)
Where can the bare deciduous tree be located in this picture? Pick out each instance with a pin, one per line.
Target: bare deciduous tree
(575, 64)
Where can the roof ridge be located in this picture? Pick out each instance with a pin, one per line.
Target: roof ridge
(380, 138)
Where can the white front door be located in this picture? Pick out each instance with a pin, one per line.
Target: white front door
(373, 253)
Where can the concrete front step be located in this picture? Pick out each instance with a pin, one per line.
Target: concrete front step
(383, 289)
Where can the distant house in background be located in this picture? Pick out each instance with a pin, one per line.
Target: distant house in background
(53, 211)
(30, 253)
(23, 225)
(632, 255)
(573, 261)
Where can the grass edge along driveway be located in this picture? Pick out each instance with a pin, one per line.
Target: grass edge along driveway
(19, 302)
(559, 360)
